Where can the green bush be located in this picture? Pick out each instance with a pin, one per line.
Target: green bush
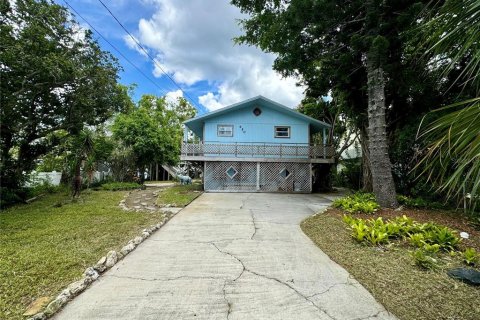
(428, 238)
(376, 231)
(424, 259)
(418, 202)
(471, 257)
(9, 197)
(350, 176)
(357, 203)
(115, 186)
(416, 239)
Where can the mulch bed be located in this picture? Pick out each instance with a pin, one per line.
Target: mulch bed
(454, 220)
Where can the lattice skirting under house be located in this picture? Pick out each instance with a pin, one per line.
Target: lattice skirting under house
(232, 176)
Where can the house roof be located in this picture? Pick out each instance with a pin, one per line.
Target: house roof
(196, 124)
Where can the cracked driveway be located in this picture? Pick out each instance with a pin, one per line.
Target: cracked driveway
(230, 256)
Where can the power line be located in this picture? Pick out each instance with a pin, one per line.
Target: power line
(116, 49)
(148, 55)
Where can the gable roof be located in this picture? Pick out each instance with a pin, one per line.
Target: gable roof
(196, 124)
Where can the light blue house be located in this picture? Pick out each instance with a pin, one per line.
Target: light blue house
(256, 145)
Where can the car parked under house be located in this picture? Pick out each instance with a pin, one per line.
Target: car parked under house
(256, 145)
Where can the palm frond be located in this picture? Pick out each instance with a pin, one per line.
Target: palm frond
(452, 158)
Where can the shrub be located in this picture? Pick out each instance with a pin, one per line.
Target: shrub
(417, 239)
(357, 203)
(115, 186)
(421, 235)
(470, 256)
(443, 236)
(418, 202)
(424, 259)
(376, 237)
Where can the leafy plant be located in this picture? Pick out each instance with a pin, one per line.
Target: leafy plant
(443, 236)
(418, 202)
(359, 230)
(424, 259)
(471, 257)
(357, 203)
(376, 236)
(417, 239)
(431, 248)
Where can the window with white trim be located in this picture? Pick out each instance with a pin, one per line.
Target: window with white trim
(282, 132)
(224, 130)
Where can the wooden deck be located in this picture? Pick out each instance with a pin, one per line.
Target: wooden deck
(261, 152)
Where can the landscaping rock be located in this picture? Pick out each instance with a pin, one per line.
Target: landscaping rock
(469, 276)
(36, 306)
(126, 249)
(91, 273)
(39, 316)
(78, 286)
(145, 235)
(137, 240)
(112, 258)
(100, 266)
(66, 293)
(55, 305)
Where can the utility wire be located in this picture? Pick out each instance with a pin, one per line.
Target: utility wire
(149, 56)
(116, 49)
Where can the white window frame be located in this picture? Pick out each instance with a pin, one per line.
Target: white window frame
(224, 133)
(276, 135)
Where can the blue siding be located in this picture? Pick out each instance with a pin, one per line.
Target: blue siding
(250, 128)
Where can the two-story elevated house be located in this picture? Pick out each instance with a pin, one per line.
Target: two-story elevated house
(256, 145)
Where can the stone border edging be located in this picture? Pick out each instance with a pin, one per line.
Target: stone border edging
(91, 274)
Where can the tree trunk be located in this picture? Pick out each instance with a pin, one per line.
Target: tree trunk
(380, 166)
(77, 180)
(366, 172)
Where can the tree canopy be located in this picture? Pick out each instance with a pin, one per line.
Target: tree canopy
(153, 130)
(55, 77)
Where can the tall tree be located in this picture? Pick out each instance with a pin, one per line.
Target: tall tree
(153, 130)
(54, 76)
(315, 36)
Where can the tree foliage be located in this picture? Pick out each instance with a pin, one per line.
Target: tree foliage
(451, 159)
(54, 77)
(153, 130)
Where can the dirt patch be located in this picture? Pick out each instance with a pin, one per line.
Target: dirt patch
(143, 200)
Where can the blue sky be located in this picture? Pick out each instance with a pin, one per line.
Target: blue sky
(192, 41)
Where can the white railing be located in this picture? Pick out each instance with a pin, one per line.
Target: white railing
(257, 150)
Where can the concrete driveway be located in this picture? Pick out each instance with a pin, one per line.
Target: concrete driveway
(230, 256)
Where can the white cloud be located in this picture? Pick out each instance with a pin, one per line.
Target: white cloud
(172, 96)
(193, 42)
(132, 44)
(210, 101)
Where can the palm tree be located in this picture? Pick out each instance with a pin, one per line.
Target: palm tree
(452, 156)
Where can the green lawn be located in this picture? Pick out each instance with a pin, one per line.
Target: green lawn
(179, 195)
(44, 246)
(391, 277)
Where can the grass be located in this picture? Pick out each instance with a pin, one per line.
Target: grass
(404, 289)
(179, 195)
(116, 186)
(48, 244)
